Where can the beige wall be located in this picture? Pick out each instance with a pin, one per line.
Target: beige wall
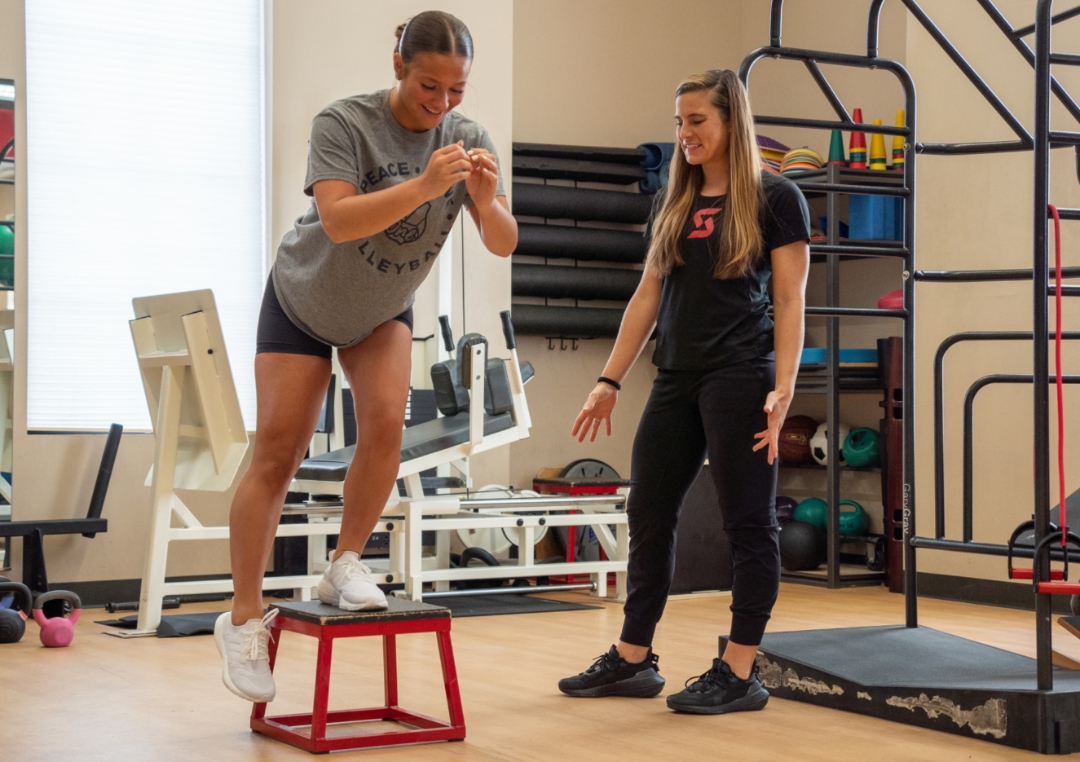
(604, 72)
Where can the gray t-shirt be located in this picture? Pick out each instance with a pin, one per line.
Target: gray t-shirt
(339, 293)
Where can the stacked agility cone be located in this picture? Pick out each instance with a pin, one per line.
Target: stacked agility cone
(877, 149)
(836, 149)
(898, 144)
(857, 154)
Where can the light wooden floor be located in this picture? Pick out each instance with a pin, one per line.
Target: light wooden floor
(150, 699)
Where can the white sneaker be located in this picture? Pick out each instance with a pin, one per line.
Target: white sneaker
(347, 584)
(245, 661)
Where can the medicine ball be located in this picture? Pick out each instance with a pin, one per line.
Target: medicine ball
(813, 510)
(855, 522)
(802, 546)
(785, 508)
(795, 435)
(861, 448)
(819, 444)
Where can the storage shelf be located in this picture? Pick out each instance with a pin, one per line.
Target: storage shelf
(817, 467)
(865, 179)
(856, 248)
(851, 575)
(819, 384)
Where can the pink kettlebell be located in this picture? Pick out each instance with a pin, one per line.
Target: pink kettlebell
(58, 631)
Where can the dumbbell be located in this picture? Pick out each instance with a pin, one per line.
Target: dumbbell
(58, 631)
(13, 621)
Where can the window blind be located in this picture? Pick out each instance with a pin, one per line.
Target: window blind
(146, 175)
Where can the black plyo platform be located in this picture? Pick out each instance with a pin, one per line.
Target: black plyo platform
(927, 678)
(397, 610)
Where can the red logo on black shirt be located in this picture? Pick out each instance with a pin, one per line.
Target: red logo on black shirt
(703, 223)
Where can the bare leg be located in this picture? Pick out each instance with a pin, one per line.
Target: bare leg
(630, 652)
(290, 390)
(378, 370)
(740, 658)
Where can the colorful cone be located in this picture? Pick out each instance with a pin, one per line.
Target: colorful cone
(877, 150)
(857, 144)
(836, 149)
(898, 144)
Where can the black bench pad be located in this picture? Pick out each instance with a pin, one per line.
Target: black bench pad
(53, 526)
(398, 610)
(417, 441)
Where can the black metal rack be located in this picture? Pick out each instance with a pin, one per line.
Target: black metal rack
(891, 672)
(833, 187)
(832, 182)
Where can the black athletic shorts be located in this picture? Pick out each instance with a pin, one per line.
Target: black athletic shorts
(277, 333)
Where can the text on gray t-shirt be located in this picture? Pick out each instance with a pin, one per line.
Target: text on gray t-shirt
(340, 292)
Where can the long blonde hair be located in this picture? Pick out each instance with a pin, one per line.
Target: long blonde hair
(740, 237)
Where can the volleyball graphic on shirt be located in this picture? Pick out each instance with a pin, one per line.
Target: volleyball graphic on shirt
(410, 228)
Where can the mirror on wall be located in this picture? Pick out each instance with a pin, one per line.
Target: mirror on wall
(7, 299)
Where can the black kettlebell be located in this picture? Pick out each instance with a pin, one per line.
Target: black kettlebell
(13, 621)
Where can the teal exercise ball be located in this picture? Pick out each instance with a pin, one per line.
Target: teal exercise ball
(7, 238)
(855, 522)
(813, 510)
(861, 448)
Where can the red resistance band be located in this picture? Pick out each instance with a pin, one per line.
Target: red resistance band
(1057, 358)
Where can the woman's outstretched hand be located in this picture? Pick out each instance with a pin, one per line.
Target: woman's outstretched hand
(597, 408)
(776, 406)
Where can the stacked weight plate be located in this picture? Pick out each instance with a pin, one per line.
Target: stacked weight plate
(556, 221)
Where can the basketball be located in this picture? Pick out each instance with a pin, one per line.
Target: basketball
(795, 436)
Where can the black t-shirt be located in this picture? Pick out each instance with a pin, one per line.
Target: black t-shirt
(704, 322)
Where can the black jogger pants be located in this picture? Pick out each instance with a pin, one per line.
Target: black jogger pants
(690, 414)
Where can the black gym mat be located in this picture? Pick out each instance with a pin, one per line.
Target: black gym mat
(495, 605)
(910, 657)
(172, 626)
(180, 625)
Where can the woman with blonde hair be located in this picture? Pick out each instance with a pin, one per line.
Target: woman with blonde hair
(726, 375)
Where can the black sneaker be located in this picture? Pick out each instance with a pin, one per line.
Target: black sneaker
(612, 675)
(719, 691)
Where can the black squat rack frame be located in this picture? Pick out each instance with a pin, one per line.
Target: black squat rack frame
(1014, 709)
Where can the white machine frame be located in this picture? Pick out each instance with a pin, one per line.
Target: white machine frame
(406, 520)
(200, 442)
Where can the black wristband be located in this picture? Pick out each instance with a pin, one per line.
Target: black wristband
(609, 382)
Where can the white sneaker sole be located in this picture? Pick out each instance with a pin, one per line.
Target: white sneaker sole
(331, 597)
(219, 641)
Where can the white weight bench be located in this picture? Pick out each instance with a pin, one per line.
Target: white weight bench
(466, 430)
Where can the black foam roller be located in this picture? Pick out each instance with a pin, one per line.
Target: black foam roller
(560, 202)
(564, 242)
(569, 322)
(555, 282)
(632, 156)
(575, 169)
